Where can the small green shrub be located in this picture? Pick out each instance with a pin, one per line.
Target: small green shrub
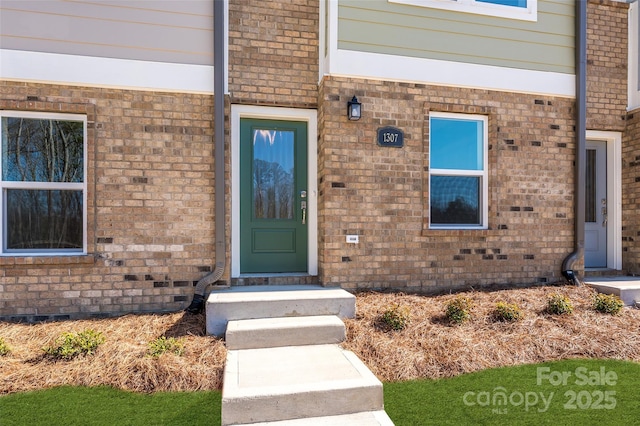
(458, 310)
(4, 347)
(507, 312)
(558, 304)
(70, 345)
(607, 303)
(396, 317)
(163, 345)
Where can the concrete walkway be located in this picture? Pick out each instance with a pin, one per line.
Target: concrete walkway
(284, 365)
(626, 287)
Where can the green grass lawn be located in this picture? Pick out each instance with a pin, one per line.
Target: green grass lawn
(585, 392)
(574, 392)
(106, 406)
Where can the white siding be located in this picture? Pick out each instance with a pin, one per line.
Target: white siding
(178, 32)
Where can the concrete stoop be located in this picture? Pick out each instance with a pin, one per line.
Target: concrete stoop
(284, 365)
(625, 287)
(255, 302)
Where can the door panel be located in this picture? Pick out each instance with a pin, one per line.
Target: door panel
(596, 206)
(274, 241)
(273, 184)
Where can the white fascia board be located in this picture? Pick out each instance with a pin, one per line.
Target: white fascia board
(19, 65)
(377, 66)
(226, 49)
(633, 92)
(328, 41)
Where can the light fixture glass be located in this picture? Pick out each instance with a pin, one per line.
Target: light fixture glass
(354, 109)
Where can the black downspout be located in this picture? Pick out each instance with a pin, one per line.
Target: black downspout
(218, 94)
(569, 262)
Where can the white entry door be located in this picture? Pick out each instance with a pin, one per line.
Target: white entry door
(596, 206)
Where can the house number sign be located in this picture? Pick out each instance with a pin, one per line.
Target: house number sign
(390, 136)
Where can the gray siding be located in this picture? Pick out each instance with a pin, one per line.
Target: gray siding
(161, 31)
(378, 26)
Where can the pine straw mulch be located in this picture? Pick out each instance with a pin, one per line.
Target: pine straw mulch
(121, 361)
(428, 348)
(432, 348)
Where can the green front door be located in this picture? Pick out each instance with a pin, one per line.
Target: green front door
(273, 196)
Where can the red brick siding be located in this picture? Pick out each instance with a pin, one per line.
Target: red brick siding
(273, 52)
(382, 194)
(150, 205)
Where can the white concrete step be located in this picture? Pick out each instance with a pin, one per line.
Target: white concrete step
(367, 418)
(627, 288)
(253, 302)
(287, 331)
(296, 382)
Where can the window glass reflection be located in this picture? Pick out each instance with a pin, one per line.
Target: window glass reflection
(455, 200)
(456, 144)
(273, 174)
(43, 219)
(41, 150)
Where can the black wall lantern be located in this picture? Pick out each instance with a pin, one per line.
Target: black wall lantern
(354, 110)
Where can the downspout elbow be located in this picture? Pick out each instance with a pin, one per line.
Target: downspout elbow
(198, 298)
(567, 268)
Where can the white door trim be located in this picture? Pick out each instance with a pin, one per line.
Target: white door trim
(310, 116)
(614, 194)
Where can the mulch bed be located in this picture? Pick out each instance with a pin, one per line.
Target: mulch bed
(121, 362)
(429, 347)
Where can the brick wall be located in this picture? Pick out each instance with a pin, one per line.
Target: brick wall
(150, 205)
(631, 194)
(151, 175)
(273, 52)
(607, 62)
(381, 193)
(606, 65)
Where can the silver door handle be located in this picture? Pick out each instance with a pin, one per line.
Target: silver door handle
(303, 205)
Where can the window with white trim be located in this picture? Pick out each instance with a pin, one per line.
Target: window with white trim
(42, 183)
(513, 9)
(458, 184)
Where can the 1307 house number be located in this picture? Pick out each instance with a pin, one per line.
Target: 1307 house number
(390, 136)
